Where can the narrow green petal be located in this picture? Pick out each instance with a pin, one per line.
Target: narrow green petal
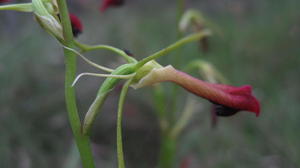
(22, 7)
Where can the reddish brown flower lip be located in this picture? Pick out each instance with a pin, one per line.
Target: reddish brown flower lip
(110, 3)
(224, 111)
(232, 99)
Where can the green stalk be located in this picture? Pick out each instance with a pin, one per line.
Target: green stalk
(180, 11)
(85, 48)
(177, 60)
(82, 141)
(121, 163)
(167, 151)
(168, 142)
(179, 43)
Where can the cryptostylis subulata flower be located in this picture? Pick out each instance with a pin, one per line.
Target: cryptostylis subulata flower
(52, 16)
(227, 99)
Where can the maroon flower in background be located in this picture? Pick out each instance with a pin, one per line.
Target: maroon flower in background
(3, 1)
(185, 163)
(110, 3)
(77, 27)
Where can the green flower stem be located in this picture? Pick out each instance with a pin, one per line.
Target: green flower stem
(180, 11)
(159, 98)
(167, 151)
(185, 117)
(85, 48)
(82, 141)
(177, 60)
(185, 40)
(121, 163)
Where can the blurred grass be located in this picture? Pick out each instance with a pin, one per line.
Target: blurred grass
(259, 45)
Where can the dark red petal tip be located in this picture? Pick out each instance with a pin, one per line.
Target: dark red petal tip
(110, 3)
(77, 27)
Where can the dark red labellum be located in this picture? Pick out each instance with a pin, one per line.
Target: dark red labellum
(128, 52)
(224, 111)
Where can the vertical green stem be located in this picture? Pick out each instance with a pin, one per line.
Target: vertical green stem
(82, 141)
(167, 151)
(121, 163)
(168, 143)
(180, 11)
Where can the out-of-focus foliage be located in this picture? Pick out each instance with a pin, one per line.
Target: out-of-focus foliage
(258, 45)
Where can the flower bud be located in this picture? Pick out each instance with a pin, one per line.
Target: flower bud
(45, 15)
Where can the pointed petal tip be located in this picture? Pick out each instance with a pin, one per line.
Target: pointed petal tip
(255, 107)
(257, 110)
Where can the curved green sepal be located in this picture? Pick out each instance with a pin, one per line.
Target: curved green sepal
(120, 153)
(190, 38)
(103, 92)
(143, 71)
(85, 47)
(22, 7)
(191, 17)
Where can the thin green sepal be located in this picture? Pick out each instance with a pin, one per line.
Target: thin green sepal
(22, 7)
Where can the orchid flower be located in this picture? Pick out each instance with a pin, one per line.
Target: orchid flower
(227, 99)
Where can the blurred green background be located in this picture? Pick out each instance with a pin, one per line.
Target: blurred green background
(258, 45)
